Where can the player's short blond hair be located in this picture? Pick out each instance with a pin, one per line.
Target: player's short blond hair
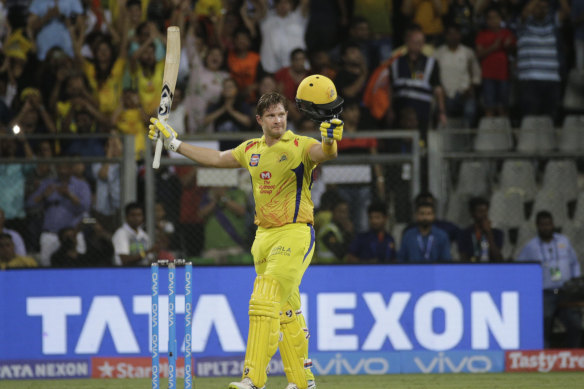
(270, 99)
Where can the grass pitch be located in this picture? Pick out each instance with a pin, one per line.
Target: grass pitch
(401, 381)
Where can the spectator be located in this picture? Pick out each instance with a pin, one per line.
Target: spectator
(67, 255)
(106, 71)
(130, 119)
(47, 21)
(327, 21)
(100, 250)
(493, 45)
(223, 210)
(428, 15)
(379, 16)
(450, 228)
(73, 95)
(577, 15)
(33, 118)
(320, 63)
(131, 243)
(426, 242)
(359, 36)
(559, 264)
(480, 242)
(147, 75)
(460, 74)
(244, 64)
(65, 200)
(84, 123)
(162, 223)
(205, 81)
(376, 245)
(19, 247)
(352, 76)
(108, 185)
(283, 30)
(13, 68)
(289, 77)
(461, 14)
(333, 238)
(9, 259)
(35, 215)
(13, 180)
(538, 59)
(415, 80)
(148, 32)
(359, 196)
(230, 114)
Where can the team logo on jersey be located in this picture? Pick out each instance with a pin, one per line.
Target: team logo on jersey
(283, 157)
(255, 160)
(265, 175)
(296, 142)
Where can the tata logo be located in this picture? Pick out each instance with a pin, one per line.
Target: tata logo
(254, 160)
(265, 175)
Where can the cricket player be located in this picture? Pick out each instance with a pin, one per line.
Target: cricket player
(280, 164)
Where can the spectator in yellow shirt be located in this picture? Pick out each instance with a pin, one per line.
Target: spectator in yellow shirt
(9, 259)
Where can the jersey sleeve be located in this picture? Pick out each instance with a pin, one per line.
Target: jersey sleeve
(239, 152)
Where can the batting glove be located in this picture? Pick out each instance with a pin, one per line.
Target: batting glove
(332, 130)
(165, 132)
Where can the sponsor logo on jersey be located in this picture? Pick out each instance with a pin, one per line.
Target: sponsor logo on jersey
(265, 175)
(254, 160)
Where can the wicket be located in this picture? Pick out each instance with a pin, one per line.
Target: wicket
(172, 346)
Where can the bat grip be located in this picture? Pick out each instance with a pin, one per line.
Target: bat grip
(157, 154)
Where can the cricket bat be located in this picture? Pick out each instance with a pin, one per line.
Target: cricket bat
(168, 83)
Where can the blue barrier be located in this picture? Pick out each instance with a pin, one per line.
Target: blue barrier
(106, 312)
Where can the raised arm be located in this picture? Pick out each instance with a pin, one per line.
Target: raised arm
(201, 155)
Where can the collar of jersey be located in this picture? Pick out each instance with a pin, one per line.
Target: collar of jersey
(288, 135)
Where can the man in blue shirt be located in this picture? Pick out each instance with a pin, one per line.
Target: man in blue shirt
(480, 242)
(426, 243)
(375, 245)
(559, 264)
(450, 228)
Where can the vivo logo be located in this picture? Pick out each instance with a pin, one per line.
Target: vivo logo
(339, 365)
(445, 364)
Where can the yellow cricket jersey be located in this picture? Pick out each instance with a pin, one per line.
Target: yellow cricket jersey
(149, 88)
(281, 177)
(110, 92)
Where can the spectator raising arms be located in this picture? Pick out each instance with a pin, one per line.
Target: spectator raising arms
(205, 80)
(282, 30)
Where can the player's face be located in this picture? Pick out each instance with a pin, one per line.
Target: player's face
(273, 121)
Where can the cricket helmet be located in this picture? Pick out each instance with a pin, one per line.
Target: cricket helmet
(317, 98)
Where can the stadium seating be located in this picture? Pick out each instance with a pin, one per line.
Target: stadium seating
(519, 175)
(494, 134)
(571, 136)
(536, 134)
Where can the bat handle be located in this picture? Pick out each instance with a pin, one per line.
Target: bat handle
(157, 154)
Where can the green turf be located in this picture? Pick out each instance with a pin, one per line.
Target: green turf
(401, 381)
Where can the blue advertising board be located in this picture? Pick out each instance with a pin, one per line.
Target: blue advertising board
(428, 308)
